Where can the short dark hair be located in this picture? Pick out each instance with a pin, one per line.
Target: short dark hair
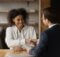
(16, 12)
(51, 14)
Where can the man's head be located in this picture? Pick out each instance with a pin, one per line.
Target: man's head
(49, 16)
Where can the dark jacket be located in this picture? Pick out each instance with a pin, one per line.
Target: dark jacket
(49, 45)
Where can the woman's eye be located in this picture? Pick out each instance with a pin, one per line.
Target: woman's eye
(18, 19)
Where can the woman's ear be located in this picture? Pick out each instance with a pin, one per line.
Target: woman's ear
(13, 20)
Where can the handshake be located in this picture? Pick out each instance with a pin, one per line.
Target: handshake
(25, 46)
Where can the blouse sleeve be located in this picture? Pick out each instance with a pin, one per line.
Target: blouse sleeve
(33, 33)
(9, 38)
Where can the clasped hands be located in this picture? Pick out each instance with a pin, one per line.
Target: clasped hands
(20, 49)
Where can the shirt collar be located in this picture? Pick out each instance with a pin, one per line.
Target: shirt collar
(52, 25)
(24, 28)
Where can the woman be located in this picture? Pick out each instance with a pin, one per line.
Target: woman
(20, 36)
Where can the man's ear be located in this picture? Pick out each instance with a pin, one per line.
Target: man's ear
(47, 20)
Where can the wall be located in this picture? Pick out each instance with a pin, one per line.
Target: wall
(5, 7)
(31, 7)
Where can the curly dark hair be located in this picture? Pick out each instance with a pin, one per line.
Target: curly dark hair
(16, 12)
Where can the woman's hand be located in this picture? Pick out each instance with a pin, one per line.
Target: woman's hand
(31, 42)
(18, 49)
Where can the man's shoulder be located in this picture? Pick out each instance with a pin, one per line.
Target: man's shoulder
(46, 32)
(52, 30)
(49, 30)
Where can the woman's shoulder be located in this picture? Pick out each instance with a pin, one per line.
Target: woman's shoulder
(30, 27)
(10, 28)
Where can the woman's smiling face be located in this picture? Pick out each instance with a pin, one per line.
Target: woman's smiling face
(19, 21)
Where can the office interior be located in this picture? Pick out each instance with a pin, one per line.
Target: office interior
(33, 7)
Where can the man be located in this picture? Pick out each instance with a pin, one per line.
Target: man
(49, 45)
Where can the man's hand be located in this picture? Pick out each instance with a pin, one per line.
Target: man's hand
(31, 42)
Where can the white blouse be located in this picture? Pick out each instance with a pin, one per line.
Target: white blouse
(16, 38)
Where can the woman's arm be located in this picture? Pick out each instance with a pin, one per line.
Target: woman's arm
(9, 38)
(33, 37)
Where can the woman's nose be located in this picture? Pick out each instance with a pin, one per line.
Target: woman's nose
(20, 21)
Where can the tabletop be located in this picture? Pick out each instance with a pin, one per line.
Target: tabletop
(9, 53)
